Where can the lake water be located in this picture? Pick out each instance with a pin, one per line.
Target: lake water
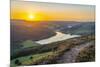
(58, 37)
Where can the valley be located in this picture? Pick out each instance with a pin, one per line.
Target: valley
(35, 43)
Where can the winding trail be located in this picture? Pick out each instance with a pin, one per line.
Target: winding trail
(70, 56)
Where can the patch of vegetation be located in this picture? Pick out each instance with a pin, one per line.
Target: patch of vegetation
(34, 59)
(29, 43)
(87, 54)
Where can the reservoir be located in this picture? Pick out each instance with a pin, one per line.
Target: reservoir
(58, 37)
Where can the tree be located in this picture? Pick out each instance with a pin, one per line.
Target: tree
(31, 57)
(17, 62)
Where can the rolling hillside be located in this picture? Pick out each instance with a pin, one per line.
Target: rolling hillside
(52, 53)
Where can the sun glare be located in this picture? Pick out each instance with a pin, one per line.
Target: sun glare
(31, 17)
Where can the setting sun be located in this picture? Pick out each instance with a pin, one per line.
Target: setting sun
(31, 17)
(51, 12)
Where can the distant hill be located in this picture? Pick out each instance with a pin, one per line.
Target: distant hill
(25, 30)
(79, 28)
(36, 30)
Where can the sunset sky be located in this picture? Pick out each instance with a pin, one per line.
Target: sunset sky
(36, 11)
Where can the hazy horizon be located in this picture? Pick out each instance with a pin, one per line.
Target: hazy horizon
(39, 11)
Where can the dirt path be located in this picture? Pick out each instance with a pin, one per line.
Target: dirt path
(70, 56)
